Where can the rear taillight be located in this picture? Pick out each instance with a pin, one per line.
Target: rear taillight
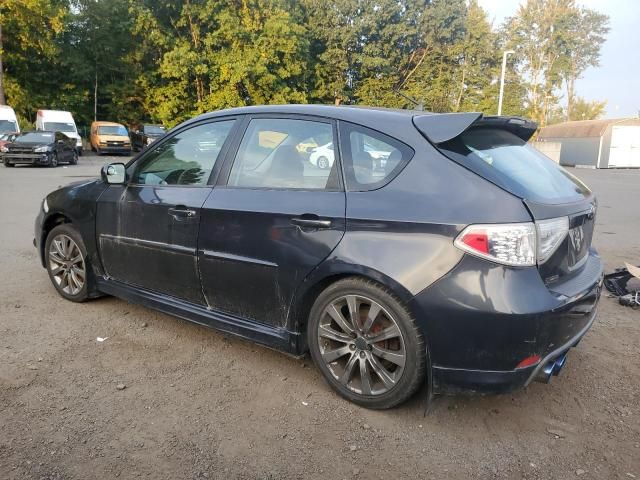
(507, 243)
(516, 244)
(551, 233)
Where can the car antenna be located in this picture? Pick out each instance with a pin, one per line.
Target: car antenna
(419, 105)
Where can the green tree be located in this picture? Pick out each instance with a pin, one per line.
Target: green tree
(28, 29)
(586, 110)
(586, 33)
(555, 41)
(206, 55)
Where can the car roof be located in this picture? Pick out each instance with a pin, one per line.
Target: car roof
(329, 111)
(394, 122)
(401, 124)
(101, 123)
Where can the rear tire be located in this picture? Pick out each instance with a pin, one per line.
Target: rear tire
(74, 159)
(67, 263)
(374, 374)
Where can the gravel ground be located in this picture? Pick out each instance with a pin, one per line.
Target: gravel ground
(196, 404)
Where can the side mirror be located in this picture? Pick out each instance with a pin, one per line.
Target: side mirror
(114, 173)
(60, 142)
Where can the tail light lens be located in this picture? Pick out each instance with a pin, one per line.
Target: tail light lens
(506, 243)
(516, 244)
(551, 233)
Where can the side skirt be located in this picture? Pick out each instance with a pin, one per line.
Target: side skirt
(273, 337)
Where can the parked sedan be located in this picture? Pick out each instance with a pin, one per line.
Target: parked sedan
(39, 148)
(7, 138)
(322, 156)
(465, 262)
(143, 135)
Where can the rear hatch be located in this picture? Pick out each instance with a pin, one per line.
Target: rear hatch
(562, 207)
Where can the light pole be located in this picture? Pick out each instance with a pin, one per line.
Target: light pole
(504, 66)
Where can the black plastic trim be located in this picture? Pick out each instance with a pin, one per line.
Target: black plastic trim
(277, 338)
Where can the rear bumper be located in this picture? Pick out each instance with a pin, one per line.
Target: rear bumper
(452, 380)
(481, 320)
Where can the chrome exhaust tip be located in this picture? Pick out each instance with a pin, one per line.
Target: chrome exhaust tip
(551, 368)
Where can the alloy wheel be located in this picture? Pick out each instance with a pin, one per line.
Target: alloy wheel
(54, 160)
(323, 163)
(362, 345)
(66, 264)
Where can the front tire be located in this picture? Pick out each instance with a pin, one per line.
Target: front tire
(67, 264)
(7, 164)
(366, 343)
(53, 162)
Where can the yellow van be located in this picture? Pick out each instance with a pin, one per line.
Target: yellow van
(110, 137)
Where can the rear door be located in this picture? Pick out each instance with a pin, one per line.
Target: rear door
(148, 229)
(273, 218)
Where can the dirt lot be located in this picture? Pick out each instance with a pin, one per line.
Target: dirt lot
(200, 405)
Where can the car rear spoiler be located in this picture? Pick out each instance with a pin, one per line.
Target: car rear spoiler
(442, 127)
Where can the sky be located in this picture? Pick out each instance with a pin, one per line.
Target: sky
(617, 79)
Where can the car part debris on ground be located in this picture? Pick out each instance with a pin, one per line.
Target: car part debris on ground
(617, 283)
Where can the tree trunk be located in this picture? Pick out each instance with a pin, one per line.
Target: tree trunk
(570, 90)
(95, 97)
(2, 97)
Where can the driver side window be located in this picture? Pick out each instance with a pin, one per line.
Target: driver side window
(186, 158)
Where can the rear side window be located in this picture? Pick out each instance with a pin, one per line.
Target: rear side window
(371, 159)
(506, 160)
(278, 153)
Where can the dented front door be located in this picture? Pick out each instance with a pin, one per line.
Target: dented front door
(147, 237)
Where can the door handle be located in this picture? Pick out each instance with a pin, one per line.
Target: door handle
(310, 221)
(180, 212)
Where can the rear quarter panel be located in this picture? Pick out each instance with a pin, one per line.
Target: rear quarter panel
(402, 234)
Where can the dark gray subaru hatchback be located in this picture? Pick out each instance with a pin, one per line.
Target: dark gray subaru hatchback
(397, 247)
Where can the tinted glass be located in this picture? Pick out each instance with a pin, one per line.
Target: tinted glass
(8, 126)
(112, 130)
(372, 159)
(154, 130)
(35, 137)
(60, 126)
(508, 161)
(277, 153)
(186, 158)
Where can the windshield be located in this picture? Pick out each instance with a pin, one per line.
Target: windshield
(35, 137)
(507, 161)
(112, 130)
(8, 126)
(60, 127)
(154, 130)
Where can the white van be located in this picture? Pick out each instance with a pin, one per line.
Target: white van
(8, 120)
(59, 121)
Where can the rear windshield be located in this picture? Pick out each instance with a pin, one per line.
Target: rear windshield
(506, 160)
(35, 137)
(60, 126)
(8, 126)
(112, 130)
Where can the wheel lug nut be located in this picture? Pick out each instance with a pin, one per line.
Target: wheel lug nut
(352, 346)
(361, 354)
